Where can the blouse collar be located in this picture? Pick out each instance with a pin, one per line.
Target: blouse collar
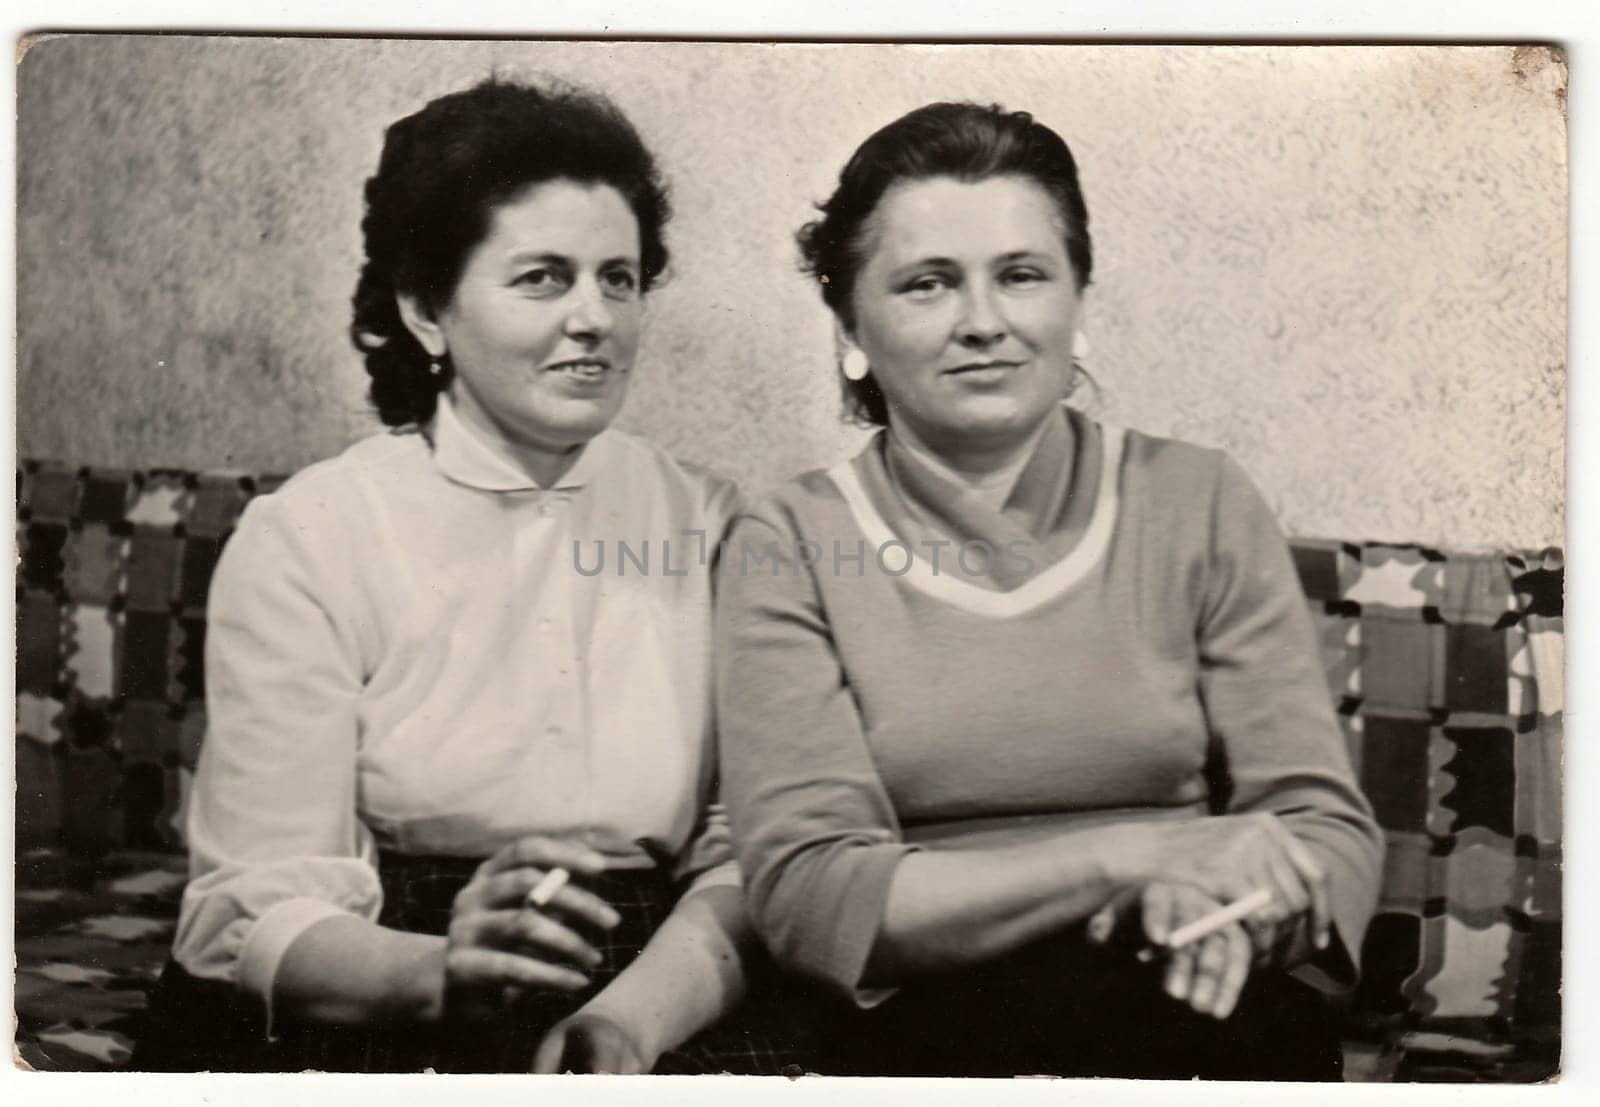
(462, 455)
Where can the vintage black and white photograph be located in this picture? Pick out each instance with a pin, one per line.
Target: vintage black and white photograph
(855, 559)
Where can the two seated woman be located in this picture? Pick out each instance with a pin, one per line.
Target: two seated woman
(1024, 693)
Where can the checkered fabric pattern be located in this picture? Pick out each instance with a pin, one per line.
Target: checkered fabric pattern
(1446, 671)
(1447, 674)
(90, 942)
(111, 593)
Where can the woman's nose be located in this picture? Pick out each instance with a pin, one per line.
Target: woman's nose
(981, 323)
(588, 315)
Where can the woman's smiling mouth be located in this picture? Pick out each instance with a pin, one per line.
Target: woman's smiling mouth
(992, 368)
(581, 368)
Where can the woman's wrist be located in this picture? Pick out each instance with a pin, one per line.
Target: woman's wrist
(415, 968)
(348, 971)
(427, 985)
(641, 1026)
(1127, 855)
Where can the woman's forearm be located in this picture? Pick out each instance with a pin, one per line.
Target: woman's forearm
(953, 908)
(687, 976)
(346, 971)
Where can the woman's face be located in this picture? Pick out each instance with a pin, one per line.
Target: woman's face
(543, 325)
(966, 308)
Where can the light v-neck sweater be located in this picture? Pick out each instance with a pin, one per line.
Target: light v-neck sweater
(1162, 667)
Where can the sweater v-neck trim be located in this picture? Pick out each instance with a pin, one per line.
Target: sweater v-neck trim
(1048, 584)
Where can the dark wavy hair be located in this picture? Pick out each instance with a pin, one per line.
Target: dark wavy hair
(442, 173)
(970, 142)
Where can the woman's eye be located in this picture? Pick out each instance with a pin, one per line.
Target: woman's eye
(620, 280)
(540, 280)
(1024, 277)
(923, 288)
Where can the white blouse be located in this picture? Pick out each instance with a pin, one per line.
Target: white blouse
(416, 648)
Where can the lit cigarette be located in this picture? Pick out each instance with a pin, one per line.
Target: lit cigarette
(545, 891)
(1210, 924)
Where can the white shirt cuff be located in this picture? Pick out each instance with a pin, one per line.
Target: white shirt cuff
(270, 938)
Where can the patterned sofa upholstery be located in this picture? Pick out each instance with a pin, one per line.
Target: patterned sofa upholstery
(1447, 674)
(1446, 671)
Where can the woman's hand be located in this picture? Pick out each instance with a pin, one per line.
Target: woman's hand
(1230, 856)
(500, 947)
(594, 1041)
(1207, 974)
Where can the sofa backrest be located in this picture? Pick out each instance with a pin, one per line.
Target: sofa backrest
(111, 591)
(1446, 671)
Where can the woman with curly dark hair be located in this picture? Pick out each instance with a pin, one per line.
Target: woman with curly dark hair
(453, 807)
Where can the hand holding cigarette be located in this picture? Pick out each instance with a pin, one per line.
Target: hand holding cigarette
(1209, 924)
(525, 923)
(543, 892)
(1207, 955)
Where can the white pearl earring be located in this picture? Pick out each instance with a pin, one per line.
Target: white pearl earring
(854, 365)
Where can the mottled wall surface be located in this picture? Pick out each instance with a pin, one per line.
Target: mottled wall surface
(1346, 266)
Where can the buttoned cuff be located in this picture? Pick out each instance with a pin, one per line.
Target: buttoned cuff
(270, 938)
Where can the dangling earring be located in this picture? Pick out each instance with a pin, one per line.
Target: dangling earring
(1080, 346)
(1080, 352)
(436, 367)
(854, 365)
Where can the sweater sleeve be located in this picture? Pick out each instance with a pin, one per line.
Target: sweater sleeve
(274, 841)
(1277, 744)
(816, 832)
(708, 860)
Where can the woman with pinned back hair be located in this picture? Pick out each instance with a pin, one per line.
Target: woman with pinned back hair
(1026, 693)
(453, 806)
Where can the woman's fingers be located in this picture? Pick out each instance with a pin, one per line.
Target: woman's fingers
(1103, 923)
(1160, 907)
(1304, 883)
(545, 853)
(607, 1049)
(587, 1043)
(552, 1047)
(479, 966)
(522, 931)
(1180, 973)
(1316, 882)
(1210, 961)
(1235, 972)
(1231, 856)
(1180, 904)
(534, 931)
(510, 889)
(1289, 898)
(584, 904)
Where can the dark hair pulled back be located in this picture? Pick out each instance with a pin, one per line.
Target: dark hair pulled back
(970, 142)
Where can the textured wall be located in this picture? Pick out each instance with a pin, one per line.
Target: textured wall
(1347, 266)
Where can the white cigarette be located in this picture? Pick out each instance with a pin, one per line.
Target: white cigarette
(545, 891)
(1221, 917)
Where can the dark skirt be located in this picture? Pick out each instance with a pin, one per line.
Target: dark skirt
(1061, 1008)
(203, 1025)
